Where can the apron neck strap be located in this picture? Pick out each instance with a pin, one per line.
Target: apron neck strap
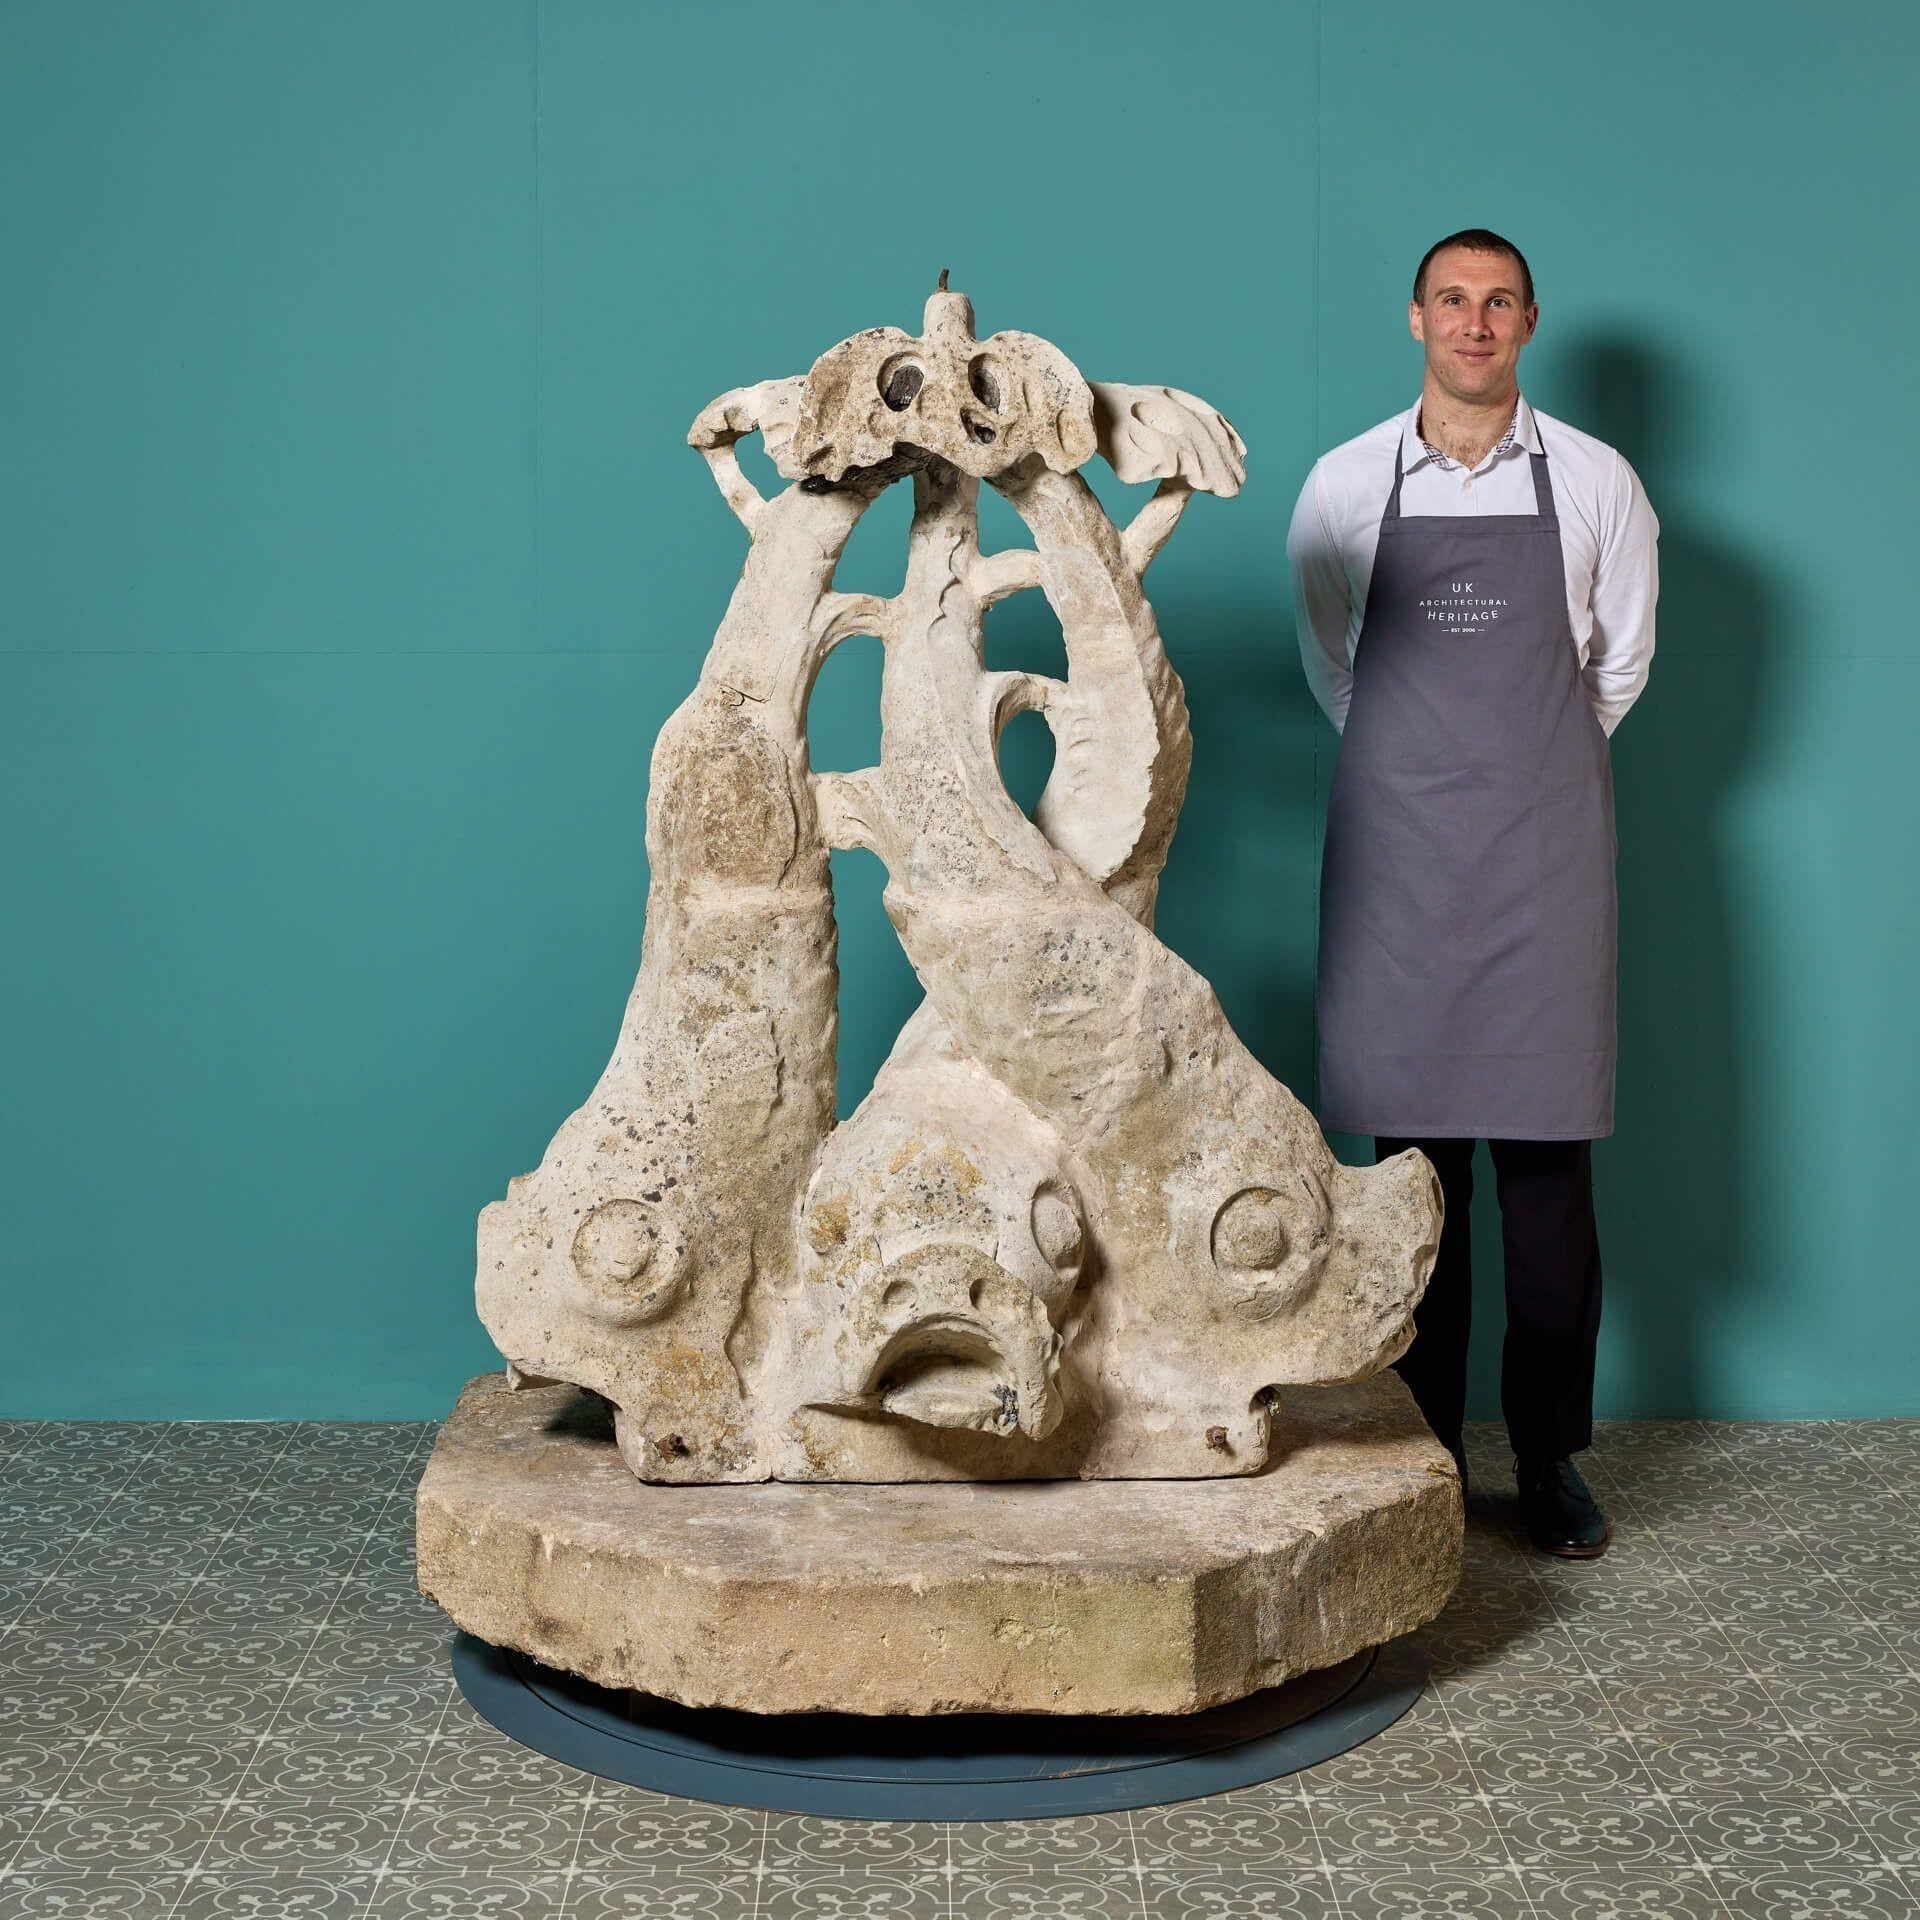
(1393, 499)
(1542, 486)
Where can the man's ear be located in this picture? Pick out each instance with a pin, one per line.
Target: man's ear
(1416, 321)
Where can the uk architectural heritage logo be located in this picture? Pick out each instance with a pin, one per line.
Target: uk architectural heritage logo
(1463, 608)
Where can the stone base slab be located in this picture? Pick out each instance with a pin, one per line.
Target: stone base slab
(1077, 1597)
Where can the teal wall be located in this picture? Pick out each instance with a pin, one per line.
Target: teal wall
(352, 557)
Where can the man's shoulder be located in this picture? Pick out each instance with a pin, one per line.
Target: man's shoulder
(1557, 435)
(1357, 467)
(1365, 450)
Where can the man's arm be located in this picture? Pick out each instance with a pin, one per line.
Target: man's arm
(1321, 603)
(1626, 583)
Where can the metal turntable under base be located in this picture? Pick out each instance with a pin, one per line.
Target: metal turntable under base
(950, 1767)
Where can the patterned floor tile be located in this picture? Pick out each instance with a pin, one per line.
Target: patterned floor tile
(1502, 1602)
(1867, 1764)
(209, 1512)
(1556, 1765)
(911, 1897)
(348, 1767)
(1830, 1649)
(403, 1652)
(333, 1470)
(1673, 1510)
(269, 1559)
(1885, 1443)
(455, 1769)
(151, 1554)
(54, 1709)
(1866, 1703)
(1679, 1705)
(799, 1842)
(225, 1604)
(1740, 1552)
(1807, 1828)
(1635, 1598)
(1892, 1822)
(317, 1515)
(1598, 1830)
(1728, 1765)
(305, 1836)
(678, 1896)
(1490, 1645)
(1428, 1833)
(1811, 1893)
(1614, 1648)
(1494, 1893)
(17, 1593)
(1239, 1896)
(1519, 1705)
(121, 1601)
(239, 1653)
(18, 1819)
(44, 1506)
(38, 1550)
(1900, 1637)
(36, 1895)
(98, 1835)
(31, 1768)
(186, 1769)
(164, 1472)
(1740, 1601)
(174, 1708)
(322, 1705)
(1632, 1893)
(471, 1896)
(46, 1472)
(1885, 1596)
(1012, 1896)
(1869, 1518)
(78, 1654)
(529, 1836)
(224, 1894)
(622, 1835)
(1431, 1761)
(1229, 1832)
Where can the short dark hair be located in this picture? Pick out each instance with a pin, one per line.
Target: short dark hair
(1476, 240)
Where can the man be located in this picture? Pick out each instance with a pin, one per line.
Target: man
(1474, 583)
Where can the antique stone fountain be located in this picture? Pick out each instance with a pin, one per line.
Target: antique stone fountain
(1063, 1354)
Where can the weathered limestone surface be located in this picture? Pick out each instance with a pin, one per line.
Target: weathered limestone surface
(1034, 1597)
(1075, 1229)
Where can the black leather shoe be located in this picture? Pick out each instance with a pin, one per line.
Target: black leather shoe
(1559, 1511)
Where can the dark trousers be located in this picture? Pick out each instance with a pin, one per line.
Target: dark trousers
(1552, 1250)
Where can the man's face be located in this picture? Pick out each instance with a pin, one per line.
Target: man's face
(1472, 322)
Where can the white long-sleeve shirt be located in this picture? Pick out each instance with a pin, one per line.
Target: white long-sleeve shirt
(1608, 541)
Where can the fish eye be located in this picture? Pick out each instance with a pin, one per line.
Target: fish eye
(900, 382)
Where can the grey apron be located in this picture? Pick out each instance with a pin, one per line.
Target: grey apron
(1467, 906)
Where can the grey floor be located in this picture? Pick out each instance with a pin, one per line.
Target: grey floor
(220, 1696)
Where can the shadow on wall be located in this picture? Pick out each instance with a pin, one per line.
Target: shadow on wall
(1239, 901)
(1674, 1183)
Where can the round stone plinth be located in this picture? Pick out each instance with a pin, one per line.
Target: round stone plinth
(1058, 1597)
